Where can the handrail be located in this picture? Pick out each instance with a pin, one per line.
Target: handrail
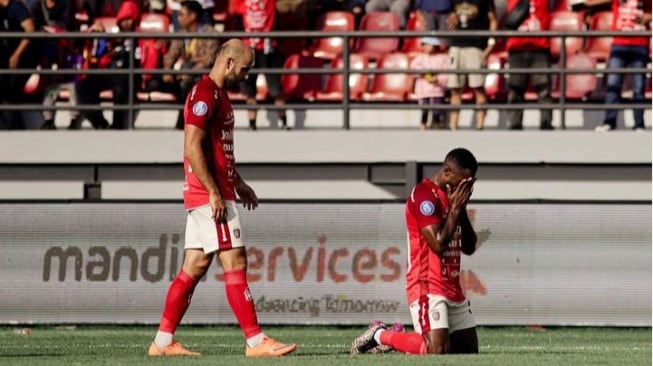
(346, 105)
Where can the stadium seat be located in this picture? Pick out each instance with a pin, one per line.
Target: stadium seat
(297, 86)
(599, 47)
(390, 87)
(332, 21)
(566, 21)
(290, 22)
(578, 86)
(261, 91)
(373, 48)
(415, 22)
(333, 88)
(154, 23)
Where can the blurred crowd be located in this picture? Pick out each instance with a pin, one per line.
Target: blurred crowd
(430, 58)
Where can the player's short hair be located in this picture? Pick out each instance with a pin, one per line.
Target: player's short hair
(194, 7)
(464, 159)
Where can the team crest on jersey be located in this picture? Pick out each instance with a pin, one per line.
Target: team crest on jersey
(237, 233)
(200, 108)
(427, 208)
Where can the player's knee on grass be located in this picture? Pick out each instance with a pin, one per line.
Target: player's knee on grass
(437, 342)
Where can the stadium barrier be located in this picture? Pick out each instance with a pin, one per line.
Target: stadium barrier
(346, 105)
(329, 263)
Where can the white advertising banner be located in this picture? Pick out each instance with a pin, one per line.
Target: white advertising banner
(327, 263)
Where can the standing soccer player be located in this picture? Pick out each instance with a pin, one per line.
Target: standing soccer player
(213, 224)
(438, 231)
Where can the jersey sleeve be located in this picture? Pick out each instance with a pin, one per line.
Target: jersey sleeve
(200, 106)
(426, 207)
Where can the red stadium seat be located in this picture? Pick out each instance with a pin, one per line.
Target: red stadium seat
(391, 87)
(415, 22)
(566, 21)
(578, 86)
(297, 86)
(373, 48)
(333, 89)
(154, 23)
(261, 91)
(332, 21)
(599, 47)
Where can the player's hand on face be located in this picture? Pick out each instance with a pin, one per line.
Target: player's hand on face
(459, 196)
(247, 195)
(218, 208)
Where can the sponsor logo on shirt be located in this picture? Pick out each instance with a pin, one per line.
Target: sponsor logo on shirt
(200, 108)
(427, 208)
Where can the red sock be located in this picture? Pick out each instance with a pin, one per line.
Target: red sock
(177, 301)
(412, 343)
(241, 302)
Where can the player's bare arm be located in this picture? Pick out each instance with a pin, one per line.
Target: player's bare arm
(193, 137)
(246, 193)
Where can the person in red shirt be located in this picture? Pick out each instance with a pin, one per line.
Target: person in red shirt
(259, 16)
(530, 52)
(213, 224)
(628, 16)
(439, 230)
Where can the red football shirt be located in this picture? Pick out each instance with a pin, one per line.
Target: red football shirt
(537, 20)
(427, 273)
(209, 108)
(625, 13)
(258, 16)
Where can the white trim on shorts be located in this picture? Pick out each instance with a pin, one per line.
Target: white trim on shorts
(202, 232)
(436, 312)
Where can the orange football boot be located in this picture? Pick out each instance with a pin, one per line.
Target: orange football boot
(270, 348)
(174, 349)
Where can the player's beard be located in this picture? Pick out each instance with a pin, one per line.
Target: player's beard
(231, 82)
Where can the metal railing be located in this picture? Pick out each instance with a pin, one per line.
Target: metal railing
(346, 105)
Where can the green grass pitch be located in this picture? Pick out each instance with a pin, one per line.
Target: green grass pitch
(319, 345)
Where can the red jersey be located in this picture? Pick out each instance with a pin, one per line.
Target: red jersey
(537, 20)
(428, 273)
(625, 13)
(258, 16)
(209, 108)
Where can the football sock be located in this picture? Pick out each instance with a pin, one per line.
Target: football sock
(163, 339)
(255, 340)
(411, 343)
(377, 336)
(177, 301)
(241, 303)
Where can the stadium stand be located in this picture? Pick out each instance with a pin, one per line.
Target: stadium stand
(374, 48)
(599, 47)
(297, 86)
(566, 21)
(333, 87)
(332, 21)
(578, 86)
(390, 87)
(412, 46)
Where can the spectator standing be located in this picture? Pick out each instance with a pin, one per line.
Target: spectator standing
(436, 13)
(429, 87)
(470, 53)
(259, 16)
(208, 7)
(15, 53)
(399, 7)
(628, 16)
(113, 53)
(530, 52)
(189, 54)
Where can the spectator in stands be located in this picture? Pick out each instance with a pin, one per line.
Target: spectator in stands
(529, 52)
(208, 7)
(57, 16)
(112, 53)
(356, 7)
(400, 7)
(259, 17)
(470, 53)
(15, 53)
(435, 13)
(429, 87)
(628, 15)
(188, 54)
